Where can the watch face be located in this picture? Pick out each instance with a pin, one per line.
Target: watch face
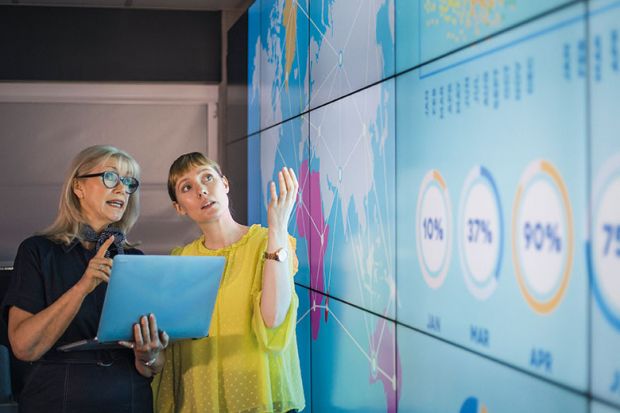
(282, 254)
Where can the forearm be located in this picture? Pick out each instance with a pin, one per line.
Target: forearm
(276, 288)
(32, 335)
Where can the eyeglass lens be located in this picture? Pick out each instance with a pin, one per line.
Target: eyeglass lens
(111, 178)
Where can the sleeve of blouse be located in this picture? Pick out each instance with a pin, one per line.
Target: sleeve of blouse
(27, 288)
(176, 251)
(277, 339)
(163, 384)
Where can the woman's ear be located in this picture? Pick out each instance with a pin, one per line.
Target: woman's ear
(178, 208)
(226, 184)
(77, 189)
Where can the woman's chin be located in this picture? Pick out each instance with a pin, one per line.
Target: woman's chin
(113, 218)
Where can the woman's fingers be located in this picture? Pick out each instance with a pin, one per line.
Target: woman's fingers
(104, 261)
(146, 331)
(293, 186)
(288, 184)
(281, 204)
(104, 247)
(153, 328)
(100, 269)
(102, 266)
(274, 195)
(127, 344)
(282, 184)
(102, 277)
(164, 339)
(289, 191)
(294, 179)
(137, 336)
(98, 272)
(149, 341)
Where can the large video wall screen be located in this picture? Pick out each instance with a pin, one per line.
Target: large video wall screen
(458, 221)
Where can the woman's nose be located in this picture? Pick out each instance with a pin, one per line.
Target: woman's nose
(202, 191)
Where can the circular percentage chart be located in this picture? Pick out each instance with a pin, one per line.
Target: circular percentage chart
(481, 232)
(605, 248)
(434, 227)
(542, 236)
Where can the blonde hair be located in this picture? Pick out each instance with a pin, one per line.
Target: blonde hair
(185, 163)
(66, 227)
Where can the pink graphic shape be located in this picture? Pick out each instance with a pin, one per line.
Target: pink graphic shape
(311, 226)
(385, 351)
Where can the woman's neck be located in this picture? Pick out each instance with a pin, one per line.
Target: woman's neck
(222, 233)
(97, 228)
(96, 224)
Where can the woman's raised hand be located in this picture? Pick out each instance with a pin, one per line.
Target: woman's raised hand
(281, 206)
(98, 270)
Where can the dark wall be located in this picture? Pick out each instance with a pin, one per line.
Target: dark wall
(99, 44)
(236, 117)
(237, 75)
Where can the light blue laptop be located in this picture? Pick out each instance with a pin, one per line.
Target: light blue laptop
(179, 290)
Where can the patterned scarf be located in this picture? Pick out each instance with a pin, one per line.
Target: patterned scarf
(89, 234)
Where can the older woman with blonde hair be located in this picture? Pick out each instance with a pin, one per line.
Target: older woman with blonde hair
(57, 291)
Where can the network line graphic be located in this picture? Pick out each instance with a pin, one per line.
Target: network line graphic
(343, 154)
(341, 40)
(323, 246)
(329, 110)
(283, 67)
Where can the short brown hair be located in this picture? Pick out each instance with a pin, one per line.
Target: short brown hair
(183, 164)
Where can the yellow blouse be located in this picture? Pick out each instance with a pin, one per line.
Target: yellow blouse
(242, 366)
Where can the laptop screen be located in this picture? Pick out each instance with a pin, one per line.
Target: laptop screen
(180, 291)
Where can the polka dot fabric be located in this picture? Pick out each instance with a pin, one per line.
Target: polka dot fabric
(242, 366)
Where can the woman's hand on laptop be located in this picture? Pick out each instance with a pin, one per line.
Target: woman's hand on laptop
(148, 345)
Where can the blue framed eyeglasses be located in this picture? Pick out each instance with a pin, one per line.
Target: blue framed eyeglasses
(111, 179)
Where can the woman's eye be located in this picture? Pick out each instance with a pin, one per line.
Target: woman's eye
(208, 178)
(186, 188)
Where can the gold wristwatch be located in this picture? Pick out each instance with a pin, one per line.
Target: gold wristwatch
(278, 255)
